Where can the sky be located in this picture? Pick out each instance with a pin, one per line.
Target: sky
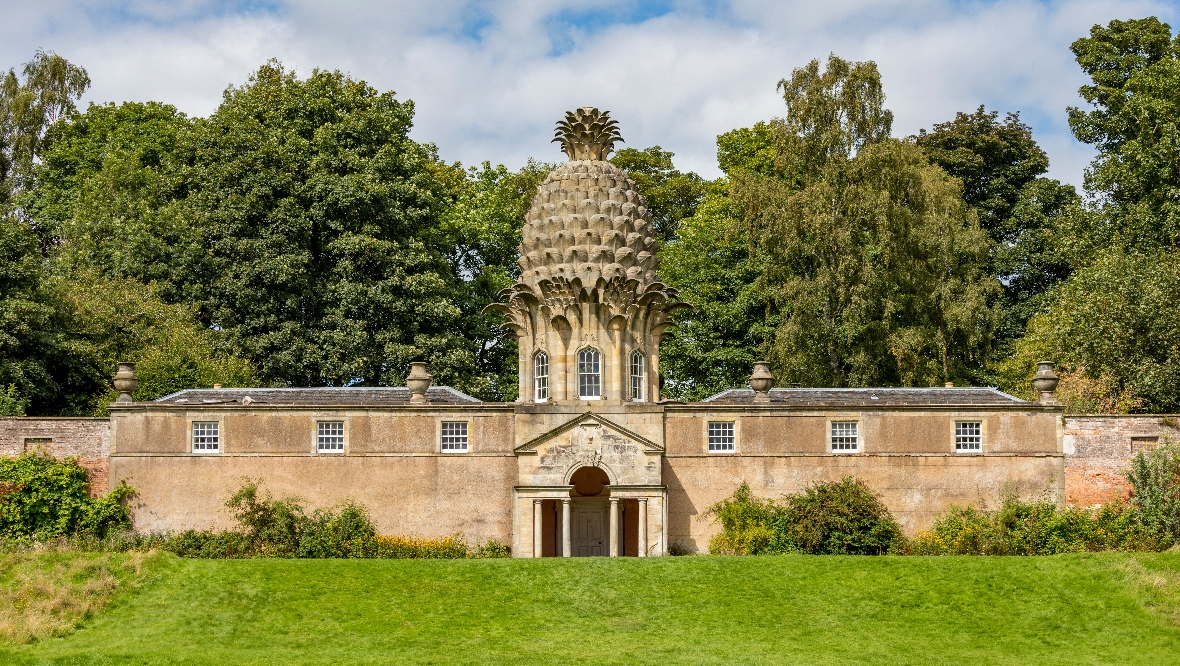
(490, 79)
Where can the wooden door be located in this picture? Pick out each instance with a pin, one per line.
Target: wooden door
(589, 528)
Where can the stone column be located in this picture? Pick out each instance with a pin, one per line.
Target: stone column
(642, 540)
(614, 527)
(536, 528)
(566, 541)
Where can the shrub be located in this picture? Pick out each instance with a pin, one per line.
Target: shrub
(1037, 527)
(42, 498)
(271, 527)
(336, 534)
(1155, 492)
(744, 523)
(842, 517)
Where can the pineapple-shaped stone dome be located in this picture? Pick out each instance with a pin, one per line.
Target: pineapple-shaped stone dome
(587, 221)
(588, 295)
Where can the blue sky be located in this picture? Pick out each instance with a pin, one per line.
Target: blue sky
(489, 79)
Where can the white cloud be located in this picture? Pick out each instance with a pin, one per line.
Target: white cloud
(488, 85)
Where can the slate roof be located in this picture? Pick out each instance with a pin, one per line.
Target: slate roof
(352, 395)
(874, 397)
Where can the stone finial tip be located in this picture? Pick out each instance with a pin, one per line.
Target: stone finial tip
(125, 383)
(761, 381)
(587, 134)
(1045, 381)
(418, 381)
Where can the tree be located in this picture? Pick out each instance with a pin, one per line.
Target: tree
(27, 337)
(1025, 215)
(28, 109)
(480, 234)
(1114, 329)
(317, 212)
(872, 256)
(716, 343)
(670, 194)
(1134, 67)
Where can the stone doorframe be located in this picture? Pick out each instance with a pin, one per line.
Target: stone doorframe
(653, 510)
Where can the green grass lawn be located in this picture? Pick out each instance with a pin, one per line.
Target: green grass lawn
(1076, 609)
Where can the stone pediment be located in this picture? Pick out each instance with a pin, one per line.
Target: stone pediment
(589, 418)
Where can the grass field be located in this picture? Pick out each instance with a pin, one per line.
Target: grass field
(1075, 609)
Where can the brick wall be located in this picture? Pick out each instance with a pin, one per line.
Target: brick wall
(1098, 450)
(87, 439)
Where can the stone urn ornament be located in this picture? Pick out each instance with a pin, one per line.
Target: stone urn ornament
(418, 381)
(1046, 381)
(125, 382)
(761, 381)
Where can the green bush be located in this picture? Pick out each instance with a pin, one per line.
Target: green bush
(1038, 527)
(841, 517)
(42, 498)
(1155, 492)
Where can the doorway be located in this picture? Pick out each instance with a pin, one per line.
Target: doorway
(588, 527)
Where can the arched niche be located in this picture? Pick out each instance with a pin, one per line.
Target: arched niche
(588, 481)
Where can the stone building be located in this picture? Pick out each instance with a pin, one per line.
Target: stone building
(590, 460)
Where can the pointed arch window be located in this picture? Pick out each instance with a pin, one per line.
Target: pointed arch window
(541, 377)
(589, 374)
(637, 375)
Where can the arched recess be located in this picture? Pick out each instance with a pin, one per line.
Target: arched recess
(603, 470)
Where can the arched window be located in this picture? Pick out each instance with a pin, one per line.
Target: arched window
(637, 375)
(589, 374)
(541, 377)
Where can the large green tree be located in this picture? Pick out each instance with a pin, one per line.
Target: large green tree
(872, 257)
(316, 212)
(1027, 216)
(1134, 122)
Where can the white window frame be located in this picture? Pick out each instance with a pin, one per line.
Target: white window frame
(596, 374)
(326, 437)
(842, 430)
(541, 377)
(205, 432)
(964, 437)
(454, 437)
(638, 376)
(721, 437)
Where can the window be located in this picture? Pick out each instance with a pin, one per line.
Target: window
(206, 437)
(330, 437)
(589, 374)
(968, 436)
(637, 375)
(454, 437)
(845, 437)
(721, 437)
(541, 377)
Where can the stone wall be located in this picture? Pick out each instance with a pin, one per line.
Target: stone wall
(87, 439)
(1098, 450)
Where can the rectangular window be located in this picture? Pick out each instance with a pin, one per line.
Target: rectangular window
(206, 437)
(454, 437)
(968, 436)
(636, 376)
(330, 437)
(845, 437)
(721, 437)
(541, 377)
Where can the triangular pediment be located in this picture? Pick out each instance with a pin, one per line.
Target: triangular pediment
(531, 445)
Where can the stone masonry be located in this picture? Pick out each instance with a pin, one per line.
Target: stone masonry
(84, 438)
(1099, 448)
